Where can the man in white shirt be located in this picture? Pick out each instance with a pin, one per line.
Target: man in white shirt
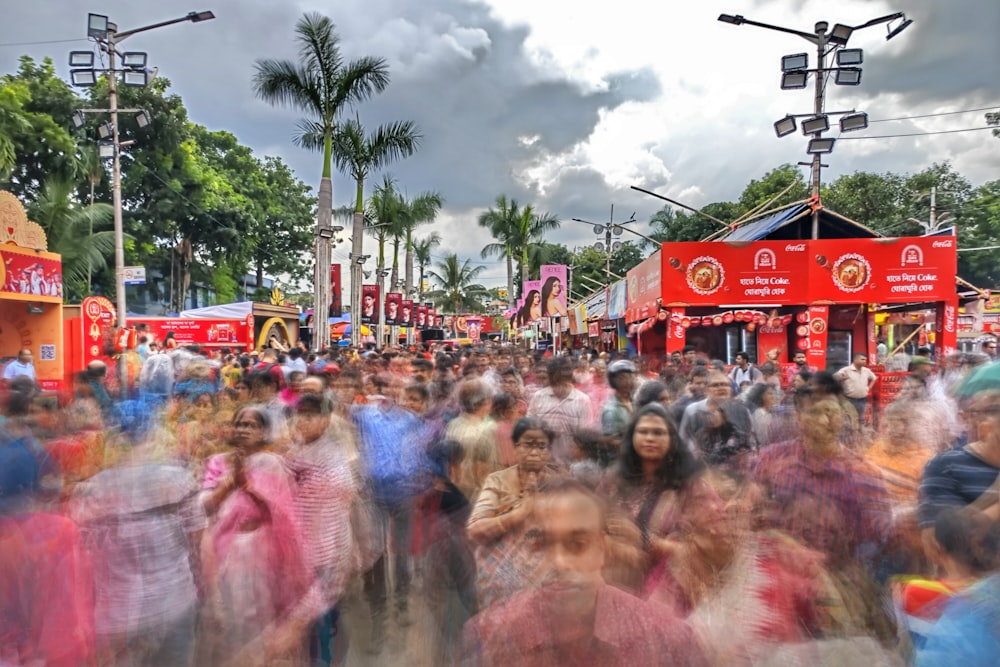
(21, 366)
(857, 381)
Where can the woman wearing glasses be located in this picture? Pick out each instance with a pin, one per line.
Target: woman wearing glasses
(497, 523)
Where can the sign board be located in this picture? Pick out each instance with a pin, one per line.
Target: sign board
(134, 275)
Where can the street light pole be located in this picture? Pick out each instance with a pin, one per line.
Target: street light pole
(817, 165)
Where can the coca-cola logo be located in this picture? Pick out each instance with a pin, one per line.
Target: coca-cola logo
(942, 244)
(949, 318)
(795, 247)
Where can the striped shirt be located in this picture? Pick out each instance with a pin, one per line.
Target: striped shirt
(833, 504)
(955, 478)
(323, 492)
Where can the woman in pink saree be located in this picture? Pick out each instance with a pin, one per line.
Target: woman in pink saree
(255, 570)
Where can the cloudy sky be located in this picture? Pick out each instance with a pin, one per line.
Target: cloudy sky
(566, 104)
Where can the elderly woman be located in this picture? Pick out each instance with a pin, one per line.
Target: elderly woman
(660, 486)
(477, 434)
(254, 560)
(497, 523)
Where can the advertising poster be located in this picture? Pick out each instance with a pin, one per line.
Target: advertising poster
(473, 327)
(531, 310)
(369, 304)
(393, 303)
(643, 289)
(215, 333)
(819, 318)
(553, 291)
(336, 305)
(30, 276)
(406, 313)
(421, 315)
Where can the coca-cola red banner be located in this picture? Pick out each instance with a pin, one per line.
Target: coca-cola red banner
(890, 270)
(643, 283)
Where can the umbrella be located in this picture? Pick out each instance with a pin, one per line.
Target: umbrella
(344, 329)
(984, 378)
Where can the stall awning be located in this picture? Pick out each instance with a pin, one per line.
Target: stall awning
(795, 222)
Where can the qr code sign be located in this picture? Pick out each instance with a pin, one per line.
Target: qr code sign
(47, 353)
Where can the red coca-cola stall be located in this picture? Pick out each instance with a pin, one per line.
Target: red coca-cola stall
(765, 289)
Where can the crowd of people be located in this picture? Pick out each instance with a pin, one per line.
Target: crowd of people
(487, 506)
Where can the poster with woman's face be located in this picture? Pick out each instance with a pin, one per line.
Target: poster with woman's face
(553, 290)
(369, 304)
(393, 301)
(406, 313)
(532, 309)
(421, 317)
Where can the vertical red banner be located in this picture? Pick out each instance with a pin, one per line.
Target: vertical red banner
(772, 341)
(819, 324)
(406, 313)
(677, 333)
(872, 341)
(369, 304)
(393, 307)
(946, 335)
(421, 313)
(336, 307)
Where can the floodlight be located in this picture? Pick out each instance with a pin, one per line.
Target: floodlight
(616, 246)
(83, 78)
(785, 126)
(816, 124)
(895, 31)
(135, 78)
(729, 18)
(846, 57)
(599, 247)
(847, 76)
(81, 59)
(854, 121)
(97, 26)
(598, 229)
(794, 80)
(796, 61)
(197, 17)
(617, 230)
(105, 149)
(143, 119)
(104, 130)
(134, 59)
(77, 118)
(324, 233)
(820, 146)
(840, 34)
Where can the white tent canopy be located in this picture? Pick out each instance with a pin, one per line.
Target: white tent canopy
(229, 311)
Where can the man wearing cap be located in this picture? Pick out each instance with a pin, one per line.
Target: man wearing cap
(618, 408)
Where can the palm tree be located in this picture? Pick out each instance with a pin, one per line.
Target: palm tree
(358, 154)
(457, 291)
(516, 231)
(422, 255)
(500, 222)
(381, 220)
(322, 86)
(69, 228)
(414, 212)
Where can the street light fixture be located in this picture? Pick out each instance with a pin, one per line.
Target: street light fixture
(97, 26)
(847, 73)
(134, 59)
(785, 126)
(840, 34)
(81, 59)
(143, 119)
(104, 130)
(849, 57)
(108, 38)
(77, 118)
(854, 121)
(83, 78)
(816, 124)
(105, 149)
(795, 80)
(794, 62)
(820, 146)
(847, 76)
(135, 78)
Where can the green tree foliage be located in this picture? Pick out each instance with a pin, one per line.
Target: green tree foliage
(457, 290)
(422, 249)
(35, 144)
(874, 200)
(779, 187)
(517, 232)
